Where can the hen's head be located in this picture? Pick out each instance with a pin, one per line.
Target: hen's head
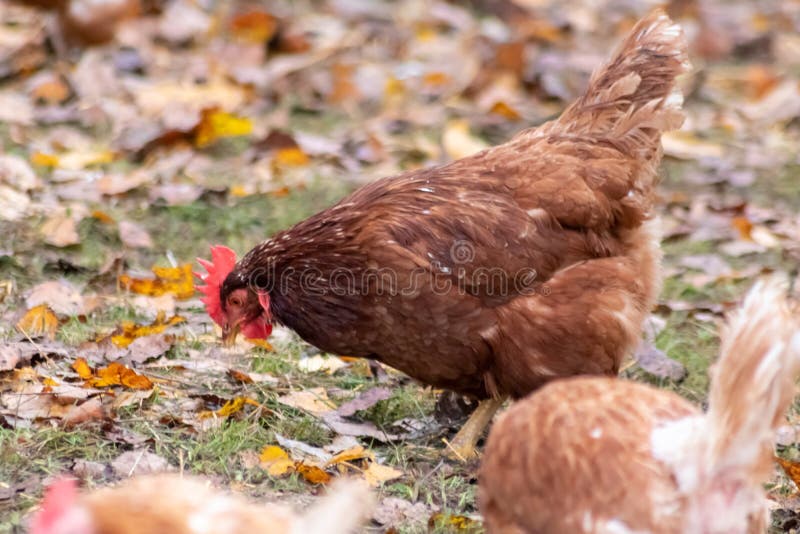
(61, 513)
(229, 299)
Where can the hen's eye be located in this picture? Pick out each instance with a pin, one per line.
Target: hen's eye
(235, 301)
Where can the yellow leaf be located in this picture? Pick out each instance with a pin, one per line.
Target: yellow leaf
(452, 522)
(354, 453)
(128, 331)
(238, 191)
(275, 460)
(312, 473)
(82, 368)
(44, 160)
(215, 124)
(254, 26)
(230, 407)
(49, 382)
(376, 474)
(261, 343)
(175, 280)
(393, 88)
(39, 321)
(291, 157)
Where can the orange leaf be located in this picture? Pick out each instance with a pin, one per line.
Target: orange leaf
(744, 226)
(117, 374)
(230, 407)
(291, 157)
(175, 280)
(38, 321)
(129, 331)
(504, 110)
(239, 376)
(792, 469)
(312, 473)
(82, 368)
(254, 26)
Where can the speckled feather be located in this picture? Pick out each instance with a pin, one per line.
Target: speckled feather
(569, 201)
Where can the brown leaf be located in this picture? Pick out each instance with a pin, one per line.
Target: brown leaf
(60, 231)
(134, 235)
(90, 410)
(139, 462)
(364, 401)
(9, 357)
(254, 26)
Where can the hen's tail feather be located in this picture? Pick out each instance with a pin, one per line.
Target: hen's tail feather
(633, 98)
(753, 382)
(343, 510)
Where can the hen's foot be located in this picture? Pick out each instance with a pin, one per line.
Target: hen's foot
(462, 448)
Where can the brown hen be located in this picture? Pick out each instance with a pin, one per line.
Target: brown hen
(602, 455)
(492, 275)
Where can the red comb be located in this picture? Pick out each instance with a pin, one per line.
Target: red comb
(222, 261)
(59, 498)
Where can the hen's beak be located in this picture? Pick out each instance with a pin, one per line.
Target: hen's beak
(229, 333)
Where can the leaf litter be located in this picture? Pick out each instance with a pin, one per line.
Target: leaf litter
(112, 157)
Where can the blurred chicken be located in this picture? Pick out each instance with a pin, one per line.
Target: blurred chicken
(170, 504)
(599, 455)
(492, 275)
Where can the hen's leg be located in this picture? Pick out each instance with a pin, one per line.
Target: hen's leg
(463, 445)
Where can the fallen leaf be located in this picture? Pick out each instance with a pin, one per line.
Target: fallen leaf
(355, 453)
(129, 331)
(290, 157)
(254, 26)
(364, 401)
(134, 235)
(376, 474)
(312, 473)
(318, 362)
(314, 401)
(296, 448)
(215, 124)
(61, 296)
(230, 407)
(82, 368)
(175, 280)
(60, 231)
(791, 468)
(275, 460)
(115, 374)
(9, 357)
(453, 522)
(139, 462)
(239, 376)
(90, 410)
(39, 321)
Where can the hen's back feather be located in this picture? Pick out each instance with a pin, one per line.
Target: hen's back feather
(633, 98)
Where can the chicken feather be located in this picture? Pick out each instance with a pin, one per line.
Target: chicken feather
(496, 273)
